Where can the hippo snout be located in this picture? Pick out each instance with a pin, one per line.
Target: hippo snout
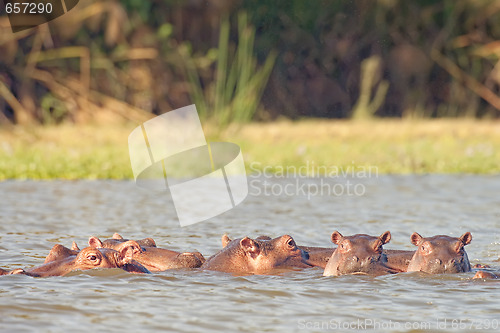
(374, 258)
(457, 265)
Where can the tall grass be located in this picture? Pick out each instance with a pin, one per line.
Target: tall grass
(366, 106)
(236, 91)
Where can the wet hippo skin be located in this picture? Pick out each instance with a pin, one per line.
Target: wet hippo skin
(262, 255)
(440, 254)
(59, 252)
(359, 254)
(319, 256)
(117, 238)
(88, 258)
(153, 258)
(485, 275)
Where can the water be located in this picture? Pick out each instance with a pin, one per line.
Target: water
(36, 215)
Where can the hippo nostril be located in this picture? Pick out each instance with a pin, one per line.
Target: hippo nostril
(438, 261)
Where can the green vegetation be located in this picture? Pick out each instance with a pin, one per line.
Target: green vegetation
(258, 60)
(235, 95)
(116, 64)
(89, 152)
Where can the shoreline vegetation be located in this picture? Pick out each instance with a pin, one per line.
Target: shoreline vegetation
(310, 146)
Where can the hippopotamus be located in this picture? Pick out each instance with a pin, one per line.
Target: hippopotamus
(485, 275)
(399, 259)
(87, 258)
(359, 254)
(317, 256)
(117, 238)
(440, 254)
(153, 258)
(59, 251)
(246, 256)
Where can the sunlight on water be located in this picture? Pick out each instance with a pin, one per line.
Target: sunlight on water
(36, 215)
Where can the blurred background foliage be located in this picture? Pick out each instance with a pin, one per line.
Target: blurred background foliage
(109, 61)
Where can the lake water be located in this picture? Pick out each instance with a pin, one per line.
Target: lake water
(36, 215)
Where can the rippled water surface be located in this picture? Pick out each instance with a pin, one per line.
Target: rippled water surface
(36, 215)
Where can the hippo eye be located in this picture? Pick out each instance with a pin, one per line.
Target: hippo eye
(290, 243)
(425, 248)
(92, 257)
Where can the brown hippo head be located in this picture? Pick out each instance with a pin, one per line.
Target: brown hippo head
(59, 252)
(317, 256)
(258, 256)
(360, 254)
(485, 275)
(153, 258)
(88, 258)
(440, 254)
(226, 240)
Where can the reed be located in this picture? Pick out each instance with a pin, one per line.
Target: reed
(235, 92)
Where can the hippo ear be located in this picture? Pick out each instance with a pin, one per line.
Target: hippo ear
(225, 240)
(117, 236)
(385, 237)
(149, 242)
(17, 271)
(415, 238)
(336, 237)
(74, 247)
(95, 242)
(250, 246)
(126, 254)
(466, 238)
(132, 244)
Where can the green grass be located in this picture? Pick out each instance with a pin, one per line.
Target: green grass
(389, 146)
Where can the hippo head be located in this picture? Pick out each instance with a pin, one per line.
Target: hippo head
(277, 253)
(88, 258)
(485, 275)
(440, 254)
(358, 254)
(59, 252)
(153, 258)
(257, 256)
(226, 240)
